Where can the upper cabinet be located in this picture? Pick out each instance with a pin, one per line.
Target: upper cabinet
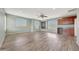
(66, 20)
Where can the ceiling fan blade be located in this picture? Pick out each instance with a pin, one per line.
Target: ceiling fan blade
(45, 16)
(72, 10)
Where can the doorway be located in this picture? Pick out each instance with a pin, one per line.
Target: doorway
(43, 26)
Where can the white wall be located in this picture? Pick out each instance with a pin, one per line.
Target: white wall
(2, 26)
(10, 23)
(77, 27)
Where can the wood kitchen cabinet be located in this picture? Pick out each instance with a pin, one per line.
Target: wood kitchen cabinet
(69, 31)
(66, 21)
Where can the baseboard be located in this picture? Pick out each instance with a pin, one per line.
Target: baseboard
(8, 33)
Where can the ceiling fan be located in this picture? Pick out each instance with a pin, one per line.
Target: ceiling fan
(74, 9)
(42, 16)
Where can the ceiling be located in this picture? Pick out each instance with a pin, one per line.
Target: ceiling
(35, 12)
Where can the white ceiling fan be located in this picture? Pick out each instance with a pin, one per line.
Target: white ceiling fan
(42, 16)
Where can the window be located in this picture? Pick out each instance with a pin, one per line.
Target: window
(20, 22)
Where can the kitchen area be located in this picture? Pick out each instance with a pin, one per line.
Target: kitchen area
(66, 25)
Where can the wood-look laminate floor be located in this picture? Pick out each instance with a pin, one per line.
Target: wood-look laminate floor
(39, 41)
